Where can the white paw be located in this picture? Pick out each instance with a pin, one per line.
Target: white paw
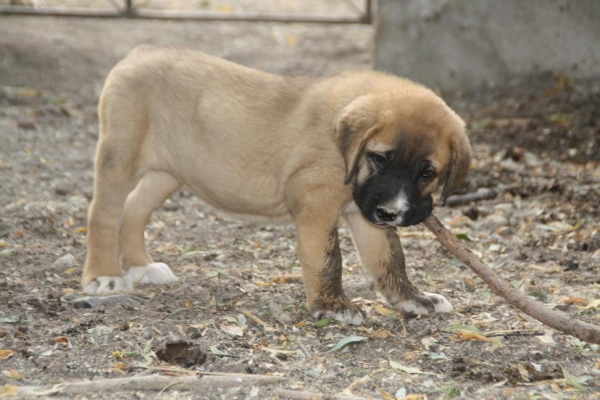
(156, 273)
(427, 303)
(105, 284)
(345, 317)
(441, 303)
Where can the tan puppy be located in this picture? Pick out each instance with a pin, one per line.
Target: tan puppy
(365, 146)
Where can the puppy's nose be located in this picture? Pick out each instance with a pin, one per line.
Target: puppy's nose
(385, 214)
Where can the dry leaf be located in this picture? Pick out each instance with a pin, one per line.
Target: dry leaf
(403, 368)
(14, 374)
(120, 367)
(200, 326)
(287, 279)
(69, 222)
(82, 229)
(384, 310)
(546, 338)
(416, 397)
(63, 340)
(71, 271)
(8, 390)
(428, 341)
(190, 267)
(412, 355)
(470, 283)
(593, 304)
(4, 354)
(232, 329)
(523, 372)
(380, 334)
(580, 301)
(385, 395)
(468, 335)
(68, 290)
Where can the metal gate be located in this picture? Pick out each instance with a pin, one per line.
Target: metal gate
(136, 10)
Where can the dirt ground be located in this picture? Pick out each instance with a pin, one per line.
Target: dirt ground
(238, 297)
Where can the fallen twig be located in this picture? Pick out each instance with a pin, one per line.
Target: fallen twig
(516, 332)
(151, 383)
(174, 369)
(554, 319)
(355, 384)
(294, 395)
(302, 347)
(255, 318)
(480, 194)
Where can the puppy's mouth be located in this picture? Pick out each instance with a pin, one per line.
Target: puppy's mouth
(414, 215)
(401, 220)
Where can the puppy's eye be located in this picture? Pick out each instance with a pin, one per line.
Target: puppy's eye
(378, 159)
(427, 173)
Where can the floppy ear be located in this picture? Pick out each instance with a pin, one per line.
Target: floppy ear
(355, 125)
(460, 162)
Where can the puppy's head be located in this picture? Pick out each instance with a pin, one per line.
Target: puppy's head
(399, 147)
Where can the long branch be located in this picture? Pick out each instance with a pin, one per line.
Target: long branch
(554, 319)
(151, 382)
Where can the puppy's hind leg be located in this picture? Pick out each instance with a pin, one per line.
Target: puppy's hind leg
(381, 254)
(153, 189)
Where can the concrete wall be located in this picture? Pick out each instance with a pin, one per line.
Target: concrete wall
(454, 44)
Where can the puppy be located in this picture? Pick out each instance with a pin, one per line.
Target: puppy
(364, 146)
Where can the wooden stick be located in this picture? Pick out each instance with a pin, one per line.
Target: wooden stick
(554, 319)
(152, 382)
(295, 395)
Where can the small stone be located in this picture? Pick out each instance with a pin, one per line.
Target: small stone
(493, 222)
(78, 202)
(250, 288)
(170, 206)
(63, 188)
(507, 208)
(26, 124)
(100, 301)
(5, 229)
(314, 373)
(65, 261)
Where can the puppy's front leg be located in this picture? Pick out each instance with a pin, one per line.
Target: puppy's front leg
(320, 256)
(316, 210)
(381, 253)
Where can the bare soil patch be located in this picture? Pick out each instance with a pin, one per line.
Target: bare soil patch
(238, 300)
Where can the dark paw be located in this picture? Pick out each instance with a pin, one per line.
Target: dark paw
(341, 309)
